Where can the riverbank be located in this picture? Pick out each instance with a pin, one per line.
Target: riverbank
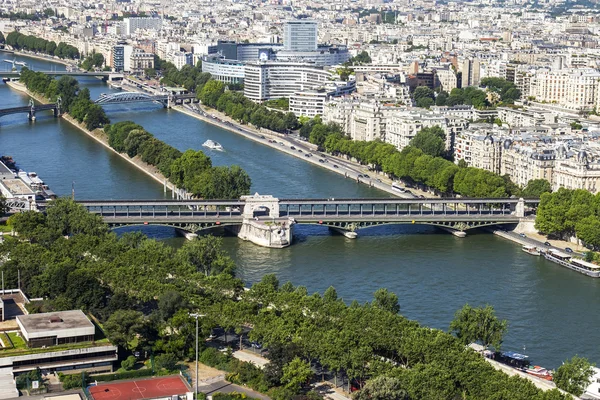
(284, 144)
(38, 57)
(99, 136)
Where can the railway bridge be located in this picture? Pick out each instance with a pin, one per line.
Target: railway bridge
(275, 217)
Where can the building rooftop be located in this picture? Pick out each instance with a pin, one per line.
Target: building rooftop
(54, 321)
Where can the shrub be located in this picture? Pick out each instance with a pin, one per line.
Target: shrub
(128, 363)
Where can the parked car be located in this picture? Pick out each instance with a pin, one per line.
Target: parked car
(321, 161)
(256, 345)
(335, 166)
(568, 250)
(359, 176)
(366, 176)
(522, 235)
(293, 148)
(300, 151)
(547, 244)
(262, 137)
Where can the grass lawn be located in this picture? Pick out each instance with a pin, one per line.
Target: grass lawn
(17, 341)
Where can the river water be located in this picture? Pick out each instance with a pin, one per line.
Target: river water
(551, 310)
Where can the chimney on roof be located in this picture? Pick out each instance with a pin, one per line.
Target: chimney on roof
(55, 318)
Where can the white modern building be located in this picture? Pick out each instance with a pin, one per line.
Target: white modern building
(273, 80)
(229, 71)
(300, 35)
(130, 25)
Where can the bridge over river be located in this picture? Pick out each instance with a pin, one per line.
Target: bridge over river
(271, 219)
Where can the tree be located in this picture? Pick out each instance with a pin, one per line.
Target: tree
(431, 141)
(128, 363)
(204, 255)
(424, 97)
(166, 361)
(295, 374)
(95, 117)
(387, 301)
(169, 303)
(123, 326)
(535, 188)
(2, 38)
(382, 388)
(479, 324)
(574, 375)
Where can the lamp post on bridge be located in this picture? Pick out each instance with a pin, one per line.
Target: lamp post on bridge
(196, 315)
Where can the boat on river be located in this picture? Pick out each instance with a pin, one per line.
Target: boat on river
(531, 250)
(576, 264)
(539, 372)
(211, 144)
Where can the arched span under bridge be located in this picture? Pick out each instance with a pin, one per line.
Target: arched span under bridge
(344, 214)
(141, 97)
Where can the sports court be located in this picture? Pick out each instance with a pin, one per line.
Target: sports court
(140, 389)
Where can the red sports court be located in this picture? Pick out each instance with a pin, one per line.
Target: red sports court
(140, 389)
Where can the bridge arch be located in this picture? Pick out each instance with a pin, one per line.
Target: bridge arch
(453, 225)
(130, 97)
(187, 227)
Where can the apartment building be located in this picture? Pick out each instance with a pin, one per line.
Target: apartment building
(273, 80)
(574, 89)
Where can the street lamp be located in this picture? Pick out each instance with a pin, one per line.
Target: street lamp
(197, 316)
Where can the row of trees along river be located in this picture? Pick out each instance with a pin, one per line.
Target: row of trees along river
(433, 273)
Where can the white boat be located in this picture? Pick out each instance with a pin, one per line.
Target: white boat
(211, 144)
(531, 250)
(21, 63)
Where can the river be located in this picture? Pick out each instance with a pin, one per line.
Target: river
(432, 272)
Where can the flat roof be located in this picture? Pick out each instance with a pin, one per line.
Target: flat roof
(59, 323)
(16, 186)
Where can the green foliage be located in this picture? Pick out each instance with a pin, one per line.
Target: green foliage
(230, 396)
(117, 376)
(430, 141)
(468, 96)
(167, 361)
(361, 58)
(141, 278)
(570, 212)
(73, 381)
(123, 326)
(382, 388)
(282, 103)
(204, 255)
(574, 375)
(507, 90)
(128, 363)
(424, 97)
(479, 325)
(191, 170)
(386, 300)
(576, 126)
(535, 188)
(75, 101)
(296, 374)
(32, 43)
(94, 60)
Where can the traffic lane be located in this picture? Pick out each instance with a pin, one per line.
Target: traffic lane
(538, 243)
(223, 386)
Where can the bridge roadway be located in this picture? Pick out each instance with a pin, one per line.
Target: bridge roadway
(100, 74)
(27, 109)
(344, 214)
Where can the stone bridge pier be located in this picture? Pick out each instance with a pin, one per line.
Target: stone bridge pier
(262, 224)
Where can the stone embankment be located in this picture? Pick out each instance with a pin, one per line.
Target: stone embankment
(101, 137)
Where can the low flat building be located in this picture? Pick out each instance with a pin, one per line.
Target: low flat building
(53, 329)
(58, 341)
